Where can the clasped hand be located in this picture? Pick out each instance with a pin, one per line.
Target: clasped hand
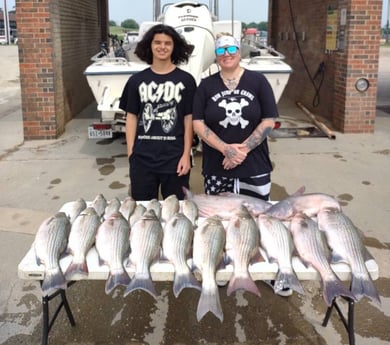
(235, 154)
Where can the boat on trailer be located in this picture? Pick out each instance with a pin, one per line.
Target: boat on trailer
(108, 73)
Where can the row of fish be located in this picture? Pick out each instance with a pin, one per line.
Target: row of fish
(130, 233)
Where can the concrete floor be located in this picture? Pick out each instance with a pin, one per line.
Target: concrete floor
(38, 177)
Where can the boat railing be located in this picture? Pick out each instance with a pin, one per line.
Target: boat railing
(98, 58)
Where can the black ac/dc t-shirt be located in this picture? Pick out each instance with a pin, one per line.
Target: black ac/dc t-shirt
(233, 116)
(161, 102)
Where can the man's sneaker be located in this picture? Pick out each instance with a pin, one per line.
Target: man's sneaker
(285, 292)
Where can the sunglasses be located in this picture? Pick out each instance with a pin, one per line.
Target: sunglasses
(231, 50)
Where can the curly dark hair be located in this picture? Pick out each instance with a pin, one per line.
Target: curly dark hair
(181, 49)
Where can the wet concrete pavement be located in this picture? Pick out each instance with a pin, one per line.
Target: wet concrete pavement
(38, 177)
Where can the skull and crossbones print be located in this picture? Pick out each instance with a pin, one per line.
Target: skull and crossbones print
(233, 112)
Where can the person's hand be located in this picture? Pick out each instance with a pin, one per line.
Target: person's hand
(235, 154)
(184, 165)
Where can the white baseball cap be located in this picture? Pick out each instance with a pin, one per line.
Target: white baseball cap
(225, 41)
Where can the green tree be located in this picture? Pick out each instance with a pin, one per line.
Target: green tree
(263, 26)
(112, 23)
(129, 24)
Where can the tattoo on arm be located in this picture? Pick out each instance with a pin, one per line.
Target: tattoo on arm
(257, 137)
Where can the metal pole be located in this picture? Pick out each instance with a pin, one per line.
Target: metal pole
(387, 25)
(233, 17)
(6, 24)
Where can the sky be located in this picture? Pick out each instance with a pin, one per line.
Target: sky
(244, 10)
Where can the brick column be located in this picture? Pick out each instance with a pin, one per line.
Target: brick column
(354, 111)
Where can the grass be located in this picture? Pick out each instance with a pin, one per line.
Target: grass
(118, 30)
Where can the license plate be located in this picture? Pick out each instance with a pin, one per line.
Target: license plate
(99, 133)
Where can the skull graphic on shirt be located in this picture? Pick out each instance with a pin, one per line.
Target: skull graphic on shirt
(233, 111)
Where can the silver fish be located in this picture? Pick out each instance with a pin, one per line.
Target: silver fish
(112, 206)
(309, 204)
(176, 244)
(49, 244)
(170, 206)
(347, 246)
(137, 214)
(225, 204)
(81, 239)
(99, 204)
(127, 207)
(112, 245)
(311, 247)
(154, 205)
(242, 245)
(209, 242)
(145, 242)
(190, 210)
(75, 209)
(277, 241)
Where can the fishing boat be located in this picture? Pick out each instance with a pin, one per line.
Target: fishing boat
(108, 73)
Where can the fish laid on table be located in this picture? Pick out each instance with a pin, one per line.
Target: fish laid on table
(311, 247)
(346, 243)
(224, 204)
(137, 214)
(49, 244)
(309, 204)
(99, 204)
(127, 207)
(81, 239)
(208, 246)
(145, 242)
(112, 245)
(75, 209)
(177, 243)
(276, 240)
(190, 210)
(170, 206)
(242, 245)
(112, 206)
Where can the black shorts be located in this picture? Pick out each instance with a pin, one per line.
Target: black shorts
(147, 184)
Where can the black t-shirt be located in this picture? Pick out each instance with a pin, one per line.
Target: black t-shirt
(233, 116)
(161, 102)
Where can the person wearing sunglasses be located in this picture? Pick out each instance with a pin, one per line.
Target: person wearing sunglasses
(234, 110)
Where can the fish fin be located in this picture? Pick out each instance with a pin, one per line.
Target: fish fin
(256, 257)
(242, 283)
(336, 258)
(288, 280)
(116, 279)
(299, 191)
(187, 193)
(76, 268)
(182, 281)
(209, 301)
(364, 286)
(334, 288)
(53, 280)
(141, 282)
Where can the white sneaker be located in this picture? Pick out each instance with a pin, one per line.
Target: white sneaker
(285, 292)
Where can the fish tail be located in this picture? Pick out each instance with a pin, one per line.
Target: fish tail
(288, 280)
(187, 193)
(183, 281)
(334, 288)
(141, 283)
(115, 279)
(209, 301)
(76, 269)
(364, 286)
(242, 282)
(54, 280)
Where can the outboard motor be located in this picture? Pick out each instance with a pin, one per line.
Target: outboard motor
(194, 22)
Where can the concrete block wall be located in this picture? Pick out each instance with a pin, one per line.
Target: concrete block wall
(56, 41)
(334, 97)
